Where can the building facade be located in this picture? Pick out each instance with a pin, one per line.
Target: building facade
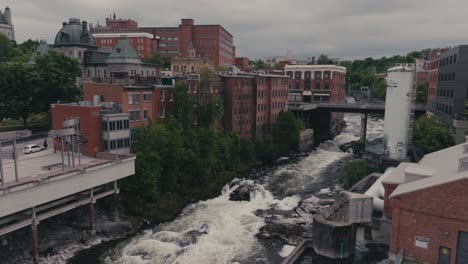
(6, 24)
(428, 206)
(142, 103)
(449, 102)
(103, 128)
(252, 102)
(192, 64)
(316, 83)
(212, 42)
(433, 76)
(143, 43)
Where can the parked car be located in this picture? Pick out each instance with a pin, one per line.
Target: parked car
(32, 148)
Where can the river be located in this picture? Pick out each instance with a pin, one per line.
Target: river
(223, 231)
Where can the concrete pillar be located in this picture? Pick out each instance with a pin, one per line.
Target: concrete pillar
(363, 127)
(368, 232)
(92, 230)
(116, 214)
(35, 241)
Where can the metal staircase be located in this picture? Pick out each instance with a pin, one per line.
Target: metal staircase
(411, 109)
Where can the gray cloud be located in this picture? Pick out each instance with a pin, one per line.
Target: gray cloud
(346, 29)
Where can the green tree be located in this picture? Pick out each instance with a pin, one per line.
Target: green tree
(58, 75)
(323, 59)
(287, 133)
(421, 92)
(154, 59)
(354, 171)
(182, 109)
(430, 136)
(18, 87)
(6, 49)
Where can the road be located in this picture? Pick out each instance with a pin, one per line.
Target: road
(20, 146)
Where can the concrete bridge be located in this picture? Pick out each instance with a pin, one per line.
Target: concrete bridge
(319, 115)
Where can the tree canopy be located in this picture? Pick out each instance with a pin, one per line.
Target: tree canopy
(430, 136)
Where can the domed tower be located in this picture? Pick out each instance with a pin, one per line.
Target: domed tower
(74, 39)
(6, 24)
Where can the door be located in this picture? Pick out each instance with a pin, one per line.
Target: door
(444, 255)
(462, 248)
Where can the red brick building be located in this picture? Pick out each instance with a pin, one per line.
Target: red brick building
(433, 75)
(212, 42)
(143, 103)
(428, 204)
(90, 125)
(144, 44)
(243, 64)
(252, 102)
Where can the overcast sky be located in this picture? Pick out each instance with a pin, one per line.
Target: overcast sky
(346, 29)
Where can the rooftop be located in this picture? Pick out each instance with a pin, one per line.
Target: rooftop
(32, 169)
(437, 168)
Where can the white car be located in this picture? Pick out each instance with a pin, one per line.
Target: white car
(32, 148)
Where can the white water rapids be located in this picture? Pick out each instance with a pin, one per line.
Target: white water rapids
(223, 231)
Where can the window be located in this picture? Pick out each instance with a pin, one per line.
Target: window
(161, 94)
(297, 75)
(318, 75)
(455, 58)
(170, 96)
(163, 112)
(317, 86)
(308, 75)
(104, 125)
(134, 99)
(147, 97)
(145, 114)
(137, 115)
(326, 87)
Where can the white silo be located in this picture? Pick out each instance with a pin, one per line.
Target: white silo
(398, 107)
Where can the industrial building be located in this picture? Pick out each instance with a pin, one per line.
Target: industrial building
(428, 205)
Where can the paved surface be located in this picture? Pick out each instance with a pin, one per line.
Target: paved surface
(20, 146)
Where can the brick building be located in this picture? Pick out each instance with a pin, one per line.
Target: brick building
(433, 75)
(212, 42)
(428, 204)
(243, 64)
(315, 84)
(143, 43)
(252, 102)
(103, 128)
(142, 103)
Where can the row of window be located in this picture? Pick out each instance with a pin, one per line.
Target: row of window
(116, 144)
(445, 93)
(450, 76)
(241, 110)
(448, 60)
(134, 99)
(115, 125)
(169, 38)
(278, 105)
(444, 108)
(308, 75)
(135, 115)
(169, 51)
(307, 86)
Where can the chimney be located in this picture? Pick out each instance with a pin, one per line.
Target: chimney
(463, 163)
(85, 26)
(7, 15)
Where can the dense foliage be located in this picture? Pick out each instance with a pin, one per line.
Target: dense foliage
(362, 72)
(354, 171)
(178, 162)
(29, 88)
(430, 136)
(157, 59)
